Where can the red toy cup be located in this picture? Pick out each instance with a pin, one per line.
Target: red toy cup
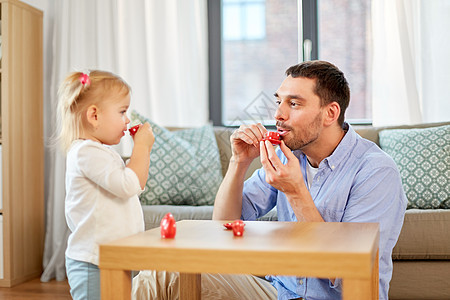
(134, 129)
(228, 225)
(238, 227)
(273, 137)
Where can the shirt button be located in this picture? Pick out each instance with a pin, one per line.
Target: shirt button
(300, 281)
(332, 167)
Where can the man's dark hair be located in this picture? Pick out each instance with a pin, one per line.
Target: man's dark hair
(331, 85)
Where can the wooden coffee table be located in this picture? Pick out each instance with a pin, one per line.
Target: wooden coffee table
(324, 250)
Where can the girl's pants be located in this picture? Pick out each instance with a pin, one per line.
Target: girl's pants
(84, 280)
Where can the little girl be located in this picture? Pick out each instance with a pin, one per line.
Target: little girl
(101, 192)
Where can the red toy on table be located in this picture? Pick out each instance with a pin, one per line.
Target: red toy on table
(168, 227)
(237, 226)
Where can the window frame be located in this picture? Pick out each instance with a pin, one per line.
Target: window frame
(308, 30)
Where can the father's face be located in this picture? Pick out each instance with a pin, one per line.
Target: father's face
(299, 115)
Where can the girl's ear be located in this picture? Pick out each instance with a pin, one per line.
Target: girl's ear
(92, 116)
(332, 113)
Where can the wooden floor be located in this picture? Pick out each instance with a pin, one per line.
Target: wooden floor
(35, 289)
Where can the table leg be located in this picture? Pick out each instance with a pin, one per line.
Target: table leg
(115, 284)
(362, 288)
(356, 289)
(376, 278)
(190, 286)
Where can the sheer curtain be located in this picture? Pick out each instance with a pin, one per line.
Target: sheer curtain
(158, 47)
(410, 61)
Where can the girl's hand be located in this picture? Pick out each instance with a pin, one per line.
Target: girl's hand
(144, 136)
(140, 157)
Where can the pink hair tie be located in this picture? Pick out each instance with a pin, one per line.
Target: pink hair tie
(84, 79)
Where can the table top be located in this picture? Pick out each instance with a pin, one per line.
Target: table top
(323, 248)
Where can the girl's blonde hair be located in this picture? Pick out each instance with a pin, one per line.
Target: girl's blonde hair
(79, 91)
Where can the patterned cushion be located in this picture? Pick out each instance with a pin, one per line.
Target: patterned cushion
(423, 158)
(185, 166)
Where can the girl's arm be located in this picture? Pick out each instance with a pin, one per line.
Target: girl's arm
(140, 157)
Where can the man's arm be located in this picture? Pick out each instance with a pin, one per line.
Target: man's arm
(140, 157)
(244, 148)
(228, 203)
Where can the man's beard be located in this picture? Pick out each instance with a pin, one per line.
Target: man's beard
(302, 137)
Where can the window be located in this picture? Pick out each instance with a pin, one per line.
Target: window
(244, 20)
(344, 39)
(253, 42)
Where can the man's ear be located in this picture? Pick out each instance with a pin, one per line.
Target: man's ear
(92, 115)
(332, 112)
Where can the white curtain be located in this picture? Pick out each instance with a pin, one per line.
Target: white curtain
(158, 47)
(411, 47)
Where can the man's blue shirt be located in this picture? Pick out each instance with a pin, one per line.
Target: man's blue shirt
(358, 182)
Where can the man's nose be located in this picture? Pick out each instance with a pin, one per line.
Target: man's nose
(280, 113)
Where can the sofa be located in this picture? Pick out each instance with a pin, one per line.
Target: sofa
(422, 254)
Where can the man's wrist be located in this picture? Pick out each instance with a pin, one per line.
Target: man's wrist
(238, 168)
(304, 207)
(240, 163)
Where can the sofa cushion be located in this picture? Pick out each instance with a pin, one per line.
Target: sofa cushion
(425, 235)
(372, 133)
(223, 135)
(154, 213)
(423, 159)
(420, 279)
(185, 166)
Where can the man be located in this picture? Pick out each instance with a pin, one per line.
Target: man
(323, 171)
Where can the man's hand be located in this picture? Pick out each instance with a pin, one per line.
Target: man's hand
(285, 178)
(288, 179)
(244, 142)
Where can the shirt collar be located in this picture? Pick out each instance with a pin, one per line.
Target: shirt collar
(342, 150)
(344, 147)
